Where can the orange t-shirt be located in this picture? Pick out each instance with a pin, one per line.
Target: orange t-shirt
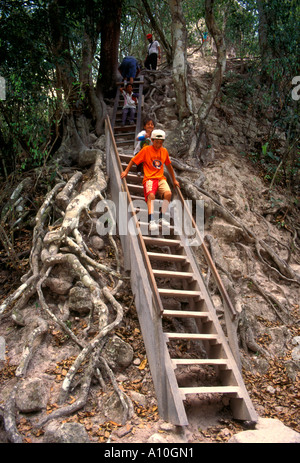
(153, 162)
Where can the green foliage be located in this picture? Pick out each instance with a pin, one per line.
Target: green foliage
(34, 103)
(136, 25)
(27, 68)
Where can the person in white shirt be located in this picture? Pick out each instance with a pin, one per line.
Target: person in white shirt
(129, 107)
(152, 54)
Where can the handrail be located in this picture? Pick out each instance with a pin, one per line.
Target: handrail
(208, 259)
(148, 267)
(139, 108)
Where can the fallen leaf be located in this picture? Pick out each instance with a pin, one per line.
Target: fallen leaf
(142, 364)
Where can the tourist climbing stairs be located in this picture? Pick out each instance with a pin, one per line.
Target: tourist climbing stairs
(191, 356)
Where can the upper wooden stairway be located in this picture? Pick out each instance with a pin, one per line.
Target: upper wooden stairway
(187, 349)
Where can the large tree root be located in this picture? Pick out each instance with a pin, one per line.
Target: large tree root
(283, 269)
(32, 345)
(10, 420)
(255, 250)
(64, 247)
(247, 336)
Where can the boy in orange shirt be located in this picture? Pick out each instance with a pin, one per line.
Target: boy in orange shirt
(153, 158)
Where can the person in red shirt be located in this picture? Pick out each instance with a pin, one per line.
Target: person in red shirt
(154, 157)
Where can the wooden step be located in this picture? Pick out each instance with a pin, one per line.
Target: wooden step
(167, 257)
(125, 164)
(170, 230)
(179, 293)
(125, 133)
(118, 121)
(172, 274)
(140, 208)
(139, 198)
(143, 207)
(135, 188)
(137, 82)
(162, 241)
(133, 177)
(157, 202)
(185, 314)
(124, 142)
(191, 336)
(125, 157)
(209, 390)
(216, 362)
(123, 128)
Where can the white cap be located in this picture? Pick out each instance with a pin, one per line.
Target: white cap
(158, 134)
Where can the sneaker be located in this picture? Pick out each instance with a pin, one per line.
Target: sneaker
(153, 226)
(164, 222)
(193, 242)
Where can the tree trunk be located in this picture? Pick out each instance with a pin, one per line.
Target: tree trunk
(179, 45)
(60, 47)
(162, 39)
(203, 148)
(219, 40)
(110, 36)
(264, 47)
(95, 103)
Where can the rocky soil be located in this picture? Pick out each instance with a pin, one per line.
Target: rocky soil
(265, 292)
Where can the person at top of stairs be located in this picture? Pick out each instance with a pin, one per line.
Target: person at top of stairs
(153, 52)
(143, 138)
(154, 157)
(129, 107)
(129, 69)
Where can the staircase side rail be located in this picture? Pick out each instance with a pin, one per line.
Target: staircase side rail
(139, 107)
(114, 115)
(231, 314)
(158, 304)
(226, 299)
(148, 304)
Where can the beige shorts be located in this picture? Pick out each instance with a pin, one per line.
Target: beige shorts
(156, 186)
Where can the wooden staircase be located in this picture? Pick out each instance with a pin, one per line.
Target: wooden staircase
(187, 349)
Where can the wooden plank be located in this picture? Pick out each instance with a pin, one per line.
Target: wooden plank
(166, 257)
(138, 81)
(133, 187)
(179, 293)
(199, 361)
(139, 105)
(122, 128)
(185, 314)
(191, 336)
(162, 241)
(124, 142)
(135, 178)
(125, 157)
(172, 274)
(210, 390)
(170, 230)
(124, 133)
(143, 208)
(139, 198)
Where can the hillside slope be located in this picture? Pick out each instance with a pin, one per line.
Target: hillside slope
(250, 233)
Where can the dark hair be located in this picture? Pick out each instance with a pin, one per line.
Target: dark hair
(147, 119)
